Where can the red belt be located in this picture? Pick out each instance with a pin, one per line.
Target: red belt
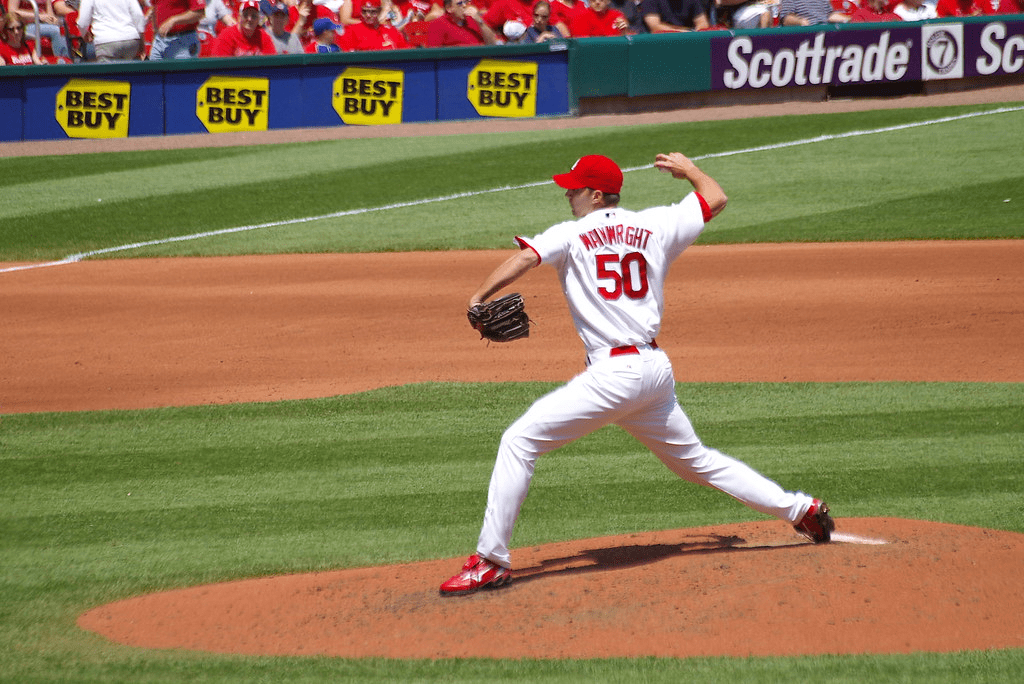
(631, 349)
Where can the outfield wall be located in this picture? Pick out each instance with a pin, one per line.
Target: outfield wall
(450, 84)
(799, 63)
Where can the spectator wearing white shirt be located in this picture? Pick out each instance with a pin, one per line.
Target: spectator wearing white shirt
(116, 27)
(915, 10)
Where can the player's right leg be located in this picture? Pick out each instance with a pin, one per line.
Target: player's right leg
(588, 402)
(567, 413)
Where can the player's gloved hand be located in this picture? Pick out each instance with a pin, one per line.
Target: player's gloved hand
(501, 320)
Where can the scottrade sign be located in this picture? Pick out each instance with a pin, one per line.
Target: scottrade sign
(833, 58)
(999, 48)
(855, 56)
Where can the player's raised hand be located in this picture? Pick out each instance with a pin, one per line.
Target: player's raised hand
(676, 163)
(681, 167)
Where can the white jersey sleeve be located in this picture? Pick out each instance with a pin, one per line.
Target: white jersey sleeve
(612, 264)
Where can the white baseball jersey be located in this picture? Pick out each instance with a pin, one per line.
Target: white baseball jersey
(613, 263)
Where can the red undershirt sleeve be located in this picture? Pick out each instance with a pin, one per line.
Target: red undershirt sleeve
(704, 207)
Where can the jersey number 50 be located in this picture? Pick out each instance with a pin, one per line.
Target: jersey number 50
(628, 274)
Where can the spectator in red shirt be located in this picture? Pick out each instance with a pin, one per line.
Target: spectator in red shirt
(245, 38)
(51, 23)
(460, 25)
(521, 11)
(15, 49)
(1007, 6)
(874, 10)
(370, 33)
(502, 11)
(398, 13)
(176, 23)
(314, 12)
(562, 12)
(348, 14)
(963, 8)
(597, 20)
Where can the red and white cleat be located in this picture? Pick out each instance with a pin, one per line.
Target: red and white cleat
(478, 573)
(817, 525)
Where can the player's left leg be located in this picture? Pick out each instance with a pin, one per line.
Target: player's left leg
(664, 428)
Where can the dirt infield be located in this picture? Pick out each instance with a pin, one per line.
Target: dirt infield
(165, 332)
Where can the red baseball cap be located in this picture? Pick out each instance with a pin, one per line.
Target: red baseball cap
(593, 171)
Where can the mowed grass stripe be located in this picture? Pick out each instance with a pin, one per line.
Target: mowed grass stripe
(132, 479)
(283, 183)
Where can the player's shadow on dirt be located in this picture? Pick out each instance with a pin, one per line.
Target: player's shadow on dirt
(620, 557)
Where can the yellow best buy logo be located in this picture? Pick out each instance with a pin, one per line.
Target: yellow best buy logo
(369, 97)
(500, 88)
(94, 109)
(238, 103)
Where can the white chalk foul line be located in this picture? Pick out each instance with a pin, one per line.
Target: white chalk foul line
(273, 224)
(476, 193)
(847, 538)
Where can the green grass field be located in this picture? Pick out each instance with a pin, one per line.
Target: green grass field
(106, 505)
(926, 181)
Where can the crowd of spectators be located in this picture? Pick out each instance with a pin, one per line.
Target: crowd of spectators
(121, 30)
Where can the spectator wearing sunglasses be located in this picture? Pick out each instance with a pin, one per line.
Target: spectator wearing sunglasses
(371, 33)
(15, 48)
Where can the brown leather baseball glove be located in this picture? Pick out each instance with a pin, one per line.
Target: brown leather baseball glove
(501, 320)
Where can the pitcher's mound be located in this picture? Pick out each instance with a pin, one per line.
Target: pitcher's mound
(889, 586)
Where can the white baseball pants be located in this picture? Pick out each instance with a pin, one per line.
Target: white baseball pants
(636, 392)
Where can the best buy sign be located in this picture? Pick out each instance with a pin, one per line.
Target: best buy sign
(94, 109)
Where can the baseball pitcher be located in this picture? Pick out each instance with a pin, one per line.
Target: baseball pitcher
(612, 264)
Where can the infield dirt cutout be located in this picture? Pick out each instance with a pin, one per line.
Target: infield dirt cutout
(162, 332)
(742, 589)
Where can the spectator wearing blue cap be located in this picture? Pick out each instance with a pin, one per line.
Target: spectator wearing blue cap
(325, 32)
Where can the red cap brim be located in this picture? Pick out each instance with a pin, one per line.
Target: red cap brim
(568, 181)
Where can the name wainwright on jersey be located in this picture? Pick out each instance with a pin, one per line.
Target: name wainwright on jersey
(606, 236)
